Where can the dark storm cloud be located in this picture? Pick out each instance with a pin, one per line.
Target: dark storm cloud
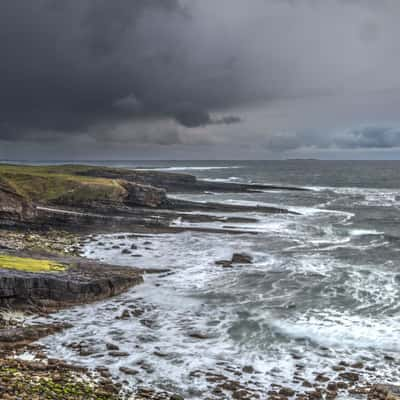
(68, 65)
(191, 116)
(89, 68)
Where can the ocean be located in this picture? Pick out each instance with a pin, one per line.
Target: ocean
(323, 287)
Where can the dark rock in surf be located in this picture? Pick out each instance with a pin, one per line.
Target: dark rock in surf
(224, 263)
(237, 258)
(198, 335)
(350, 376)
(128, 371)
(286, 392)
(241, 258)
(112, 346)
(118, 354)
(248, 369)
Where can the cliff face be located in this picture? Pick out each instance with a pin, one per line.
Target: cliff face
(144, 195)
(14, 208)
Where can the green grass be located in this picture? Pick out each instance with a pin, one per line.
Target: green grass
(51, 183)
(29, 264)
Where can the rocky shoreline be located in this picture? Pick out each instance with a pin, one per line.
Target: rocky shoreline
(44, 226)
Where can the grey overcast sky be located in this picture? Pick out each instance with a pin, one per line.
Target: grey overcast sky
(199, 79)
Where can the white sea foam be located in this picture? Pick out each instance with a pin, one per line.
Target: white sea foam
(362, 232)
(187, 168)
(340, 329)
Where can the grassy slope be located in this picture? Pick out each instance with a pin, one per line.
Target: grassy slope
(29, 264)
(48, 183)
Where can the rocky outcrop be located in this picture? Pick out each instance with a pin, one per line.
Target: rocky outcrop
(144, 195)
(14, 208)
(82, 282)
(176, 182)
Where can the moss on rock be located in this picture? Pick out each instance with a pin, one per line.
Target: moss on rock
(29, 264)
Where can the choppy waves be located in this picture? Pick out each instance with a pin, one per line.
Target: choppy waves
(324, 287)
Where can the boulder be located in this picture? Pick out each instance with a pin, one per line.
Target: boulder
(241, 258)
(237, 258)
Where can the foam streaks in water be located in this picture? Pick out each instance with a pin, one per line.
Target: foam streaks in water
(313, 291)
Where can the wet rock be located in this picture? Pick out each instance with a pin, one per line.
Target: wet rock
(332, 386)
(128, 371)
(237, 258)
(15, 337)
(316, 394)
(126, 251)
(248, 369)
(241, 258)
(134, 247)
(224, 263)
(137, 312)
(118, 354)
(389, 358)
(198, 335)
(145, 366)
(350, 376)
(286, 392)
(160, 354)
(342, 385)
(149, 323)
(124, 315)
(111, 346)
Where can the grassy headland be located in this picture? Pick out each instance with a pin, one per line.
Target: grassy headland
(44, 184)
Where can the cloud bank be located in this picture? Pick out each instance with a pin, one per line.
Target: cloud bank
(200, 72)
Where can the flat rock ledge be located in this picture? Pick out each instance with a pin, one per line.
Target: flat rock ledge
(13, 338)
(82, 282)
